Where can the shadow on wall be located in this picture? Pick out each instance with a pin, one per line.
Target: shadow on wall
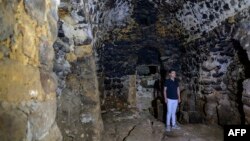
(243, 58)
(158, 104)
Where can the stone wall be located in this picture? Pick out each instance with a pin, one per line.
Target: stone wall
(202, 51)
(112, 37)
(242, 35)
(245, 100)
(145, 91)
(118, 93)
(119, 30)
(28, 85)
(83, 26)
(144, 36)
(79, 114)
(118, 60)
(216, 66)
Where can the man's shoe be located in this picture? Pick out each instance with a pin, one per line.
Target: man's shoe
(168, 129)
(176, 127)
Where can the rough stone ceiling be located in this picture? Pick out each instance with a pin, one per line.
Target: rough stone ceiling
(100, 44)
(206, 15)
(131, 25)
(193, 17)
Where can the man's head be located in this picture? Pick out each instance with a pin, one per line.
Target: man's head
(172, 73)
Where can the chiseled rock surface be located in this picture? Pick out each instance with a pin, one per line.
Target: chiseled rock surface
(214, 66)
(27, 91)
(203, 40)
(205, 15)
(129, 125)
(78, 113)
(246, 100)
(242, 34)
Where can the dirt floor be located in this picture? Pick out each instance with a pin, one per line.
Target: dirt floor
(130, 125)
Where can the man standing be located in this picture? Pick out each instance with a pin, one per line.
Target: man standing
(172, 98)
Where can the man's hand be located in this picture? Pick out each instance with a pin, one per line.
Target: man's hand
(179, 95)
(165, 95)
(179, 100)
(166, 100)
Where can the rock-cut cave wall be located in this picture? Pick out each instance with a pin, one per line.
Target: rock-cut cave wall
(214, 67)
(141, 39)
(242, 35)
(83, 25)
(78, 114)
(48, 81)
(27, 92)
(200, 39)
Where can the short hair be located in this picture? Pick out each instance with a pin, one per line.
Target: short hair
(171, 70)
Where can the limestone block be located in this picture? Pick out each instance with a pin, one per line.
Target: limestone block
(246, 88)
(29, 121)
(48, 81)
(53, 134)
(27, 91)
(210, 112)
(247, 114)
(209, 65)
(20, 82)
(85, 50)
(42, 117)
(80, 100)
(71, 57)
(246, 100)
(7, 18)
(46, 54)
(227, 113)
(1, 55)
(36, 9)
(132, 90)
(52, 18)
(70, 32)
(13, 125)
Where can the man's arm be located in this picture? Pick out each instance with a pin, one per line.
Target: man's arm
(179, 95)
(165, 94)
